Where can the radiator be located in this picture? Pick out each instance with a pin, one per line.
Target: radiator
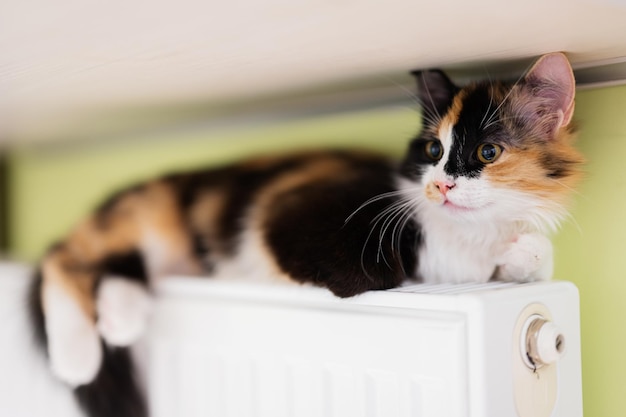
(232, 349)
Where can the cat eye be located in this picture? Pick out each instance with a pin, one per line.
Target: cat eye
(488, 152)
(434, 150)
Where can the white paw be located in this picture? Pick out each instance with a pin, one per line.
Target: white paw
(123, 308)
(529, 258)
(74, 345)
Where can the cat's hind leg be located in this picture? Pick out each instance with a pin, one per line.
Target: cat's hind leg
(137, 235)
(70, 274)
(73, 343)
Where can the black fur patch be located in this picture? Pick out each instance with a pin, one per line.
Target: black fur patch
(245, 184)
(199, 246)
(435, 92)
(416, 161)
(202, 251)
(129, 265)
(114, 392)
(35, 310)
(557, 168)
(35, 307)
(469, 132)
(312, 241)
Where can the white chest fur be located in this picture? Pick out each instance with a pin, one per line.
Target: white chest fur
(458, 255)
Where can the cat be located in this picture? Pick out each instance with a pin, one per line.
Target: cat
(480, 187)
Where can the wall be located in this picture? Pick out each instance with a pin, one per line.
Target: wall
(52, 188)
(591, 250)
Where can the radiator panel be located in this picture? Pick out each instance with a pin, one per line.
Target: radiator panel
(261, 360)
(291, 351)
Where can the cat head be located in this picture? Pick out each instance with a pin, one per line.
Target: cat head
(494, 151)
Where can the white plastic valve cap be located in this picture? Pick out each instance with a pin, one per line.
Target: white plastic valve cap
(550, 343)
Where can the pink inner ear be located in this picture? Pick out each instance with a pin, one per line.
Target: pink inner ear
(554, 71)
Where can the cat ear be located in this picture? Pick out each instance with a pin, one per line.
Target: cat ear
(551, 80)
(435, 92)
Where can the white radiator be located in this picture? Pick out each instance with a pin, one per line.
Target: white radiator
(228, 349)
(235, 349)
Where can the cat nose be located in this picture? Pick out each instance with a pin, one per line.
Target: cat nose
(444, 186)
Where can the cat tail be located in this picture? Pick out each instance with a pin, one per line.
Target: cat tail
(115, 390)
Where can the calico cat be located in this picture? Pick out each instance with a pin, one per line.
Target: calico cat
(473, 199)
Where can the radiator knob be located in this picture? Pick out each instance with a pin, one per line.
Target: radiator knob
(543, 342)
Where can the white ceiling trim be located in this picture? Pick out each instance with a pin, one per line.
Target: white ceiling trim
(62, 60)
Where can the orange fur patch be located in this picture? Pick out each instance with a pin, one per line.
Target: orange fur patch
(151, 213)
(432, 193)
(523, 170)
(60, 270)
(451, 117)
(205, 213)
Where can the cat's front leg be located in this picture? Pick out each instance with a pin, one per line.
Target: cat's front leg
(528, 258)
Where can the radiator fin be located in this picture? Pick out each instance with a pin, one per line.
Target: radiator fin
(194, 381)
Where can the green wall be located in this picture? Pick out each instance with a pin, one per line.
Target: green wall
(53, 187)
(592, 252)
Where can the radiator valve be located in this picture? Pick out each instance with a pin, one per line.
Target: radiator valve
(542, 342)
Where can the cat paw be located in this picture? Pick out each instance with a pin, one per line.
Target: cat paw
(74, 346)
(527, 259)
(123, 308)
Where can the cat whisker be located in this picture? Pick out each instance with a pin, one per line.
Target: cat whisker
(398, 210)
(495, 112)
(387, 216)
(363, 268)
(491, 94)
(391, 207)
(410, 94)
(374, 222)
(413, 108)
(392, 214)
(397, 232)
(430, 117)
(545, 218)
(373, 200)
(573, 190)
(499, 120)
(520, 78)
(480, 126)
(427, 115)
(430, 97)
(569, 218)
(508, 94)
